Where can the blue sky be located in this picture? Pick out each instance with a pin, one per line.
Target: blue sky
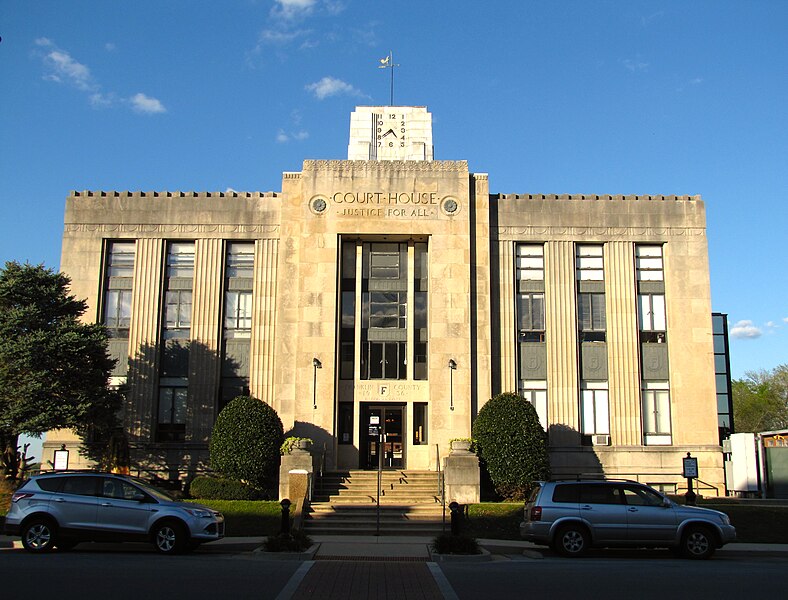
(596, 97)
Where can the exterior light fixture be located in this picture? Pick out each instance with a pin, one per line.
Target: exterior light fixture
(452, 368)
(316, 364)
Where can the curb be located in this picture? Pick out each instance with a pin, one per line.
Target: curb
(308, 554)
(485, 556)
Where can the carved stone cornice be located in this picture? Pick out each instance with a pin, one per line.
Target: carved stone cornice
(386, 166)
(167, 228)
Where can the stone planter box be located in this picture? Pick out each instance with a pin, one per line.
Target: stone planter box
(460, 446)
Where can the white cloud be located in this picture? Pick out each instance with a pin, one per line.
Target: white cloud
(635, 64)
(281, 37)
(110, 47)
(299, 136)
(292, 9)
(745, 330)
(785, 319)
(145, 104)
(330, 86)
(61, 67)
(64, 69)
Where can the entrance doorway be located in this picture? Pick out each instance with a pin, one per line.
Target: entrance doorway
(382, 436)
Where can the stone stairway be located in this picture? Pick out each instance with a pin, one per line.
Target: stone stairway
(345, 503)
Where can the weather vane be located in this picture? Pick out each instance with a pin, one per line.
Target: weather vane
(388, 63)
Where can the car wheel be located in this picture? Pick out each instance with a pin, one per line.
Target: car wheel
(38, 535)
(697, 543)
(571, 541)
(170, 538)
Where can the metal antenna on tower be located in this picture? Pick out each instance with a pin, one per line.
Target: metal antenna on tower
(388, 63)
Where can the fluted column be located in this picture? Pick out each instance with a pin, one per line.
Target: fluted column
(561, 338)
(507, 351)
(262, 362)
(622, 344)
(144, 340)
(204, 353)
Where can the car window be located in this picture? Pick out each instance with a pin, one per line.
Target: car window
(640, 496)
(600, 493)
(50, 484)
(80, 485)
(566, 493)
(117, 488)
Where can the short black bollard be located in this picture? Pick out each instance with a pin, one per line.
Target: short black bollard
(285, 516)
(456, 517)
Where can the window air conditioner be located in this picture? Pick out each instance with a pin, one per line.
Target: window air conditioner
(600, 440)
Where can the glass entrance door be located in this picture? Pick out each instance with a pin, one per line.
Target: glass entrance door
(382, 436)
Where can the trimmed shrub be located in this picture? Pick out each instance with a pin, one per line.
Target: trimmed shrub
(219, 488)
(447, 543)
(245, 442)
(512, 445)
(295, 541)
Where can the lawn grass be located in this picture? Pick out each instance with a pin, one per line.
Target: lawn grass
(755, 524)
(243, 518)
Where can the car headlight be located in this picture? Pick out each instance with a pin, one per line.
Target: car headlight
(726, 520)
(200, 513)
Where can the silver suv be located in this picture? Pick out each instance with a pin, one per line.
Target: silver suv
(571, 516)
(61, 509)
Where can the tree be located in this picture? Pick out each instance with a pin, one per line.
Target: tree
(245, 442)
(54, 369)
(760, 400)
(512, 445)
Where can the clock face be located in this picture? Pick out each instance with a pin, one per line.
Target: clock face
(390, 134)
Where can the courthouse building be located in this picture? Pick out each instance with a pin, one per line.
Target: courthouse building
(394, 292)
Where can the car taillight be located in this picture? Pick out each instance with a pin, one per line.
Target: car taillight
(20, 496)
(536, 513)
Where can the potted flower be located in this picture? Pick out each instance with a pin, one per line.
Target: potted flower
(461, 444)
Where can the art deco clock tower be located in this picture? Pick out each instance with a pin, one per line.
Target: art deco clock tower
(390, 133)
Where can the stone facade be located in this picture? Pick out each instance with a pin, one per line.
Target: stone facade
(326, 312)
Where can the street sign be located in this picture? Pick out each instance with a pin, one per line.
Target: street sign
(690, 467)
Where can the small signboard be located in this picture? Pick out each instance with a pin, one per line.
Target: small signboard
(61, 460)
(690, 467)
(374, 419)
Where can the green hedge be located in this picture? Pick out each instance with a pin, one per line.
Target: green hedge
(512, 445)
(245, 442)
(220, 488)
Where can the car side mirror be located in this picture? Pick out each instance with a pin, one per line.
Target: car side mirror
(140, 497)
(666, 503)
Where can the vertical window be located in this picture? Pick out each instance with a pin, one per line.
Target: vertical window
(420, 311)
(118, 288)
(651, 315)
(239, 261)
(589, 263)
(238, 311)
(530, 262)
(591, 317)
(722, 373)
(420, 437)
(384, 309)
(180, 260)
(345, 423)
(178, 310)
(656, 413)
(176, 321)
(648, 262)
(347, 327)
(594, 408)
(530, 315)
(536, 393)
(172, 414)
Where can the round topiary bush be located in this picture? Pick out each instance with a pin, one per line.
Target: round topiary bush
(245, 442)
(512, 445)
